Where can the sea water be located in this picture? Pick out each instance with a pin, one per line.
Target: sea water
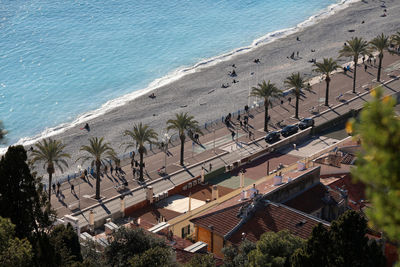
(60, 59)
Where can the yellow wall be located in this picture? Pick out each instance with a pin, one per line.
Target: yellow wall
(204, 235)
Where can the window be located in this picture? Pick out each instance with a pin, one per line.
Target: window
(185, 231)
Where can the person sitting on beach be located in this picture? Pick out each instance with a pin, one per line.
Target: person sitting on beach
(152, 95)
(233, 66)
(233, 73)
(312, 50)
(292, 56)
(86, 127)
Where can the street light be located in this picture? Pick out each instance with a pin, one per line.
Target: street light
(79, 186)
(166, 141)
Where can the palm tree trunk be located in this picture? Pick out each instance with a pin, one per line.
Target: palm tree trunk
(50, 184)
(327, 80)
(97, 179)
(182, 148)
(355, 74)
(266, 116)
(297, 105)
(141, 167)
(379, 67)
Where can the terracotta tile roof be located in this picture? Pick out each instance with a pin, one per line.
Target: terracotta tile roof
(276, 217)
(203, 192)
(151, 214)
(355, 191)
(309, 200)
(222, 220)
(268, 217)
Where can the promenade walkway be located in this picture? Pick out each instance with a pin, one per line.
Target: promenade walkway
(218, 148)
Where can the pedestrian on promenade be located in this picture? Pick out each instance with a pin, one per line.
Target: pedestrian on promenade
(241, 124)
(210, 166)
(363, 59)
(134, 172)
(86, 173)
(238, 117)
(344, 70)
(374, 60)
(233, 135)
(281, 102)
(365, 67)
(111, 169)
(250, 133)
(289, 99)
(245, 124)
(246, 108)
(133, 162)
(54, 187)
(73, 188)
(58, 187)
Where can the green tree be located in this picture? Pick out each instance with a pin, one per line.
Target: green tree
(297, 81)
(326, 68)
(140, 135)
(395, 39)
(380, 44)
(13, 251)
(199, 260)
(98, 151)
(127, 243)
(344, 244)
(235, 257)
(51, 153)
(356, 47)
(66, 244)
(274, 249)
(21, 194)
(183, 122)
(267, 91)
(156, 256)
(378, 164)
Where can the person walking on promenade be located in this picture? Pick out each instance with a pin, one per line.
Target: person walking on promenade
(54, 187)
(58, 187)
(134, 172)
(365, 67)
(246, 108)
(111, 169)
(289, 99)
(86, 173)
(73, 189)
(233, 135)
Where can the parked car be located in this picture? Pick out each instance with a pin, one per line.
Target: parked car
(289, 130)
(272, 137)
(305, 123)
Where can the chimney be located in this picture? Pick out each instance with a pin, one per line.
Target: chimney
(149, 194)
(214, 192)
(190, 202)
(122, 202)
(241, 178)
(202, 175)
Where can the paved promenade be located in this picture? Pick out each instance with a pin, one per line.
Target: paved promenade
(218, 148)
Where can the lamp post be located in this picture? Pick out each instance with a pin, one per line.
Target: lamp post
(79, 186)
(166, 141)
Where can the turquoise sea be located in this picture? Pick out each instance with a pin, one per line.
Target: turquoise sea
(62, 59)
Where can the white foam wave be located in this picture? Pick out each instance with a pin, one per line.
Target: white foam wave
(179, 73)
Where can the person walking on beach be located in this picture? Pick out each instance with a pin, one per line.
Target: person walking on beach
(297, 53)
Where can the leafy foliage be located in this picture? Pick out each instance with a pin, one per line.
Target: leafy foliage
(156, 256)
(297, 81)
(98, 151)
(127, 243)
(51, 153)
(356, 47)
(326, 68)
(274, 249)
(267, 91)
(344, 244)
(378, 164)
(66, 244)
(140, 135)
(238, 256)
(380, 44)
(198, 260)
(183, 122)
(13, 251)
(21, 194)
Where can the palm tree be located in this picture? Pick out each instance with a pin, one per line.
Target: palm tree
(380, 43)
(183, 122)
(395, 39)
(141, 134)
(99, 151)
(356, 47)
(297, 81)
(326, 68)
(51, 153)
(266, 91)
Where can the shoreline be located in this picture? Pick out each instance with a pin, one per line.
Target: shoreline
(326, 36)
(180, 72)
